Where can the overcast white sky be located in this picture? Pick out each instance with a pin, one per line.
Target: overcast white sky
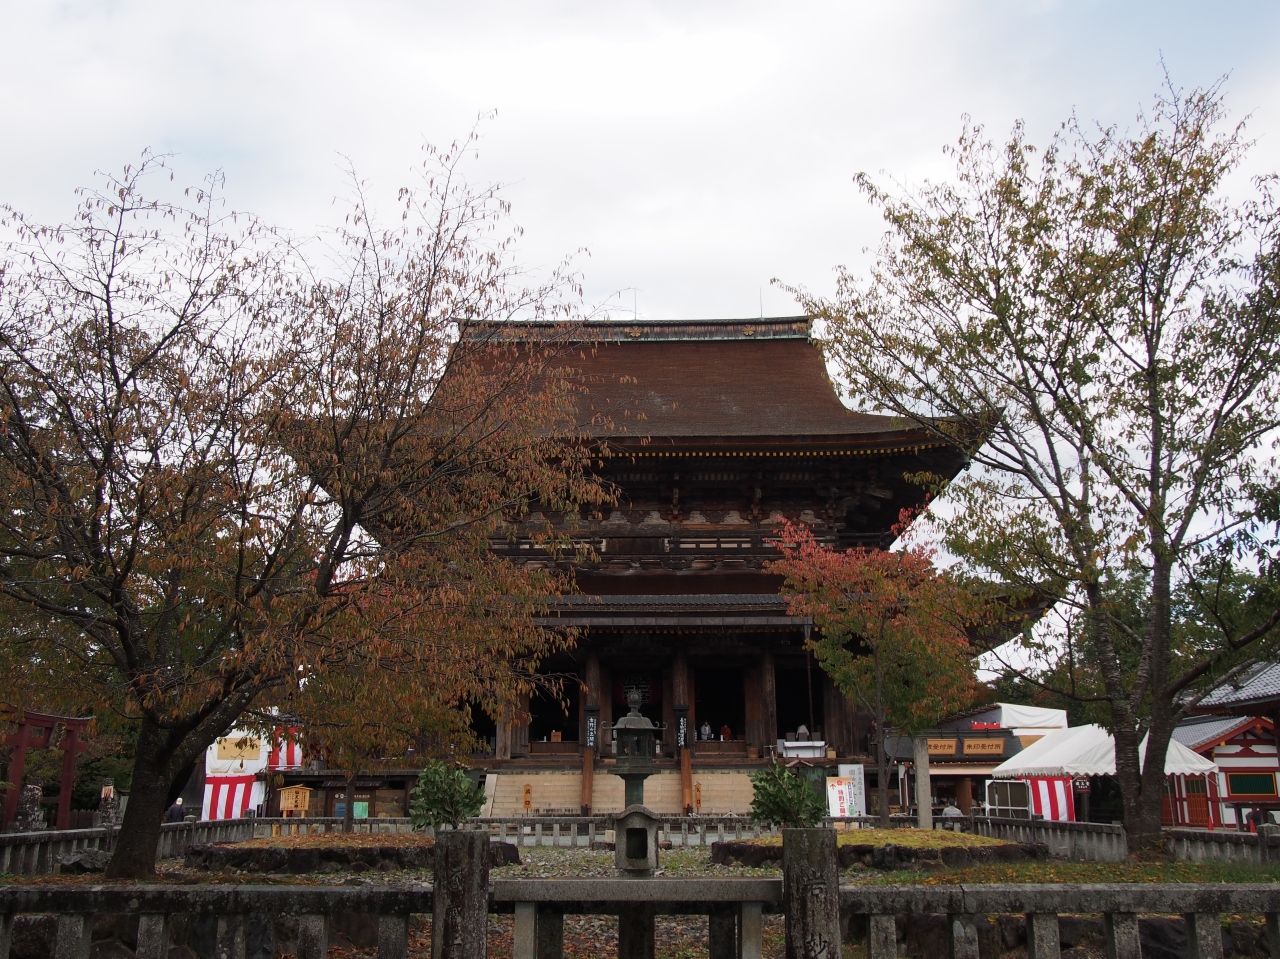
(697, 149)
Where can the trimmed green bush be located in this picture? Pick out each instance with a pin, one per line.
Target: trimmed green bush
(443, 796)
(784, 798)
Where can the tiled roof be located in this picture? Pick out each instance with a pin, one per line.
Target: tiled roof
(695, 388)
(1260, 684)
(693, 379)
(1197, 732)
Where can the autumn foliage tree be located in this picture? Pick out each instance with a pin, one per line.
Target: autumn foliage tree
(1096, 323)
(891, 631)
(241, 471)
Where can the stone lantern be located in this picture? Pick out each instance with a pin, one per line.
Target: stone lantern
(635, 738)
(635, 832)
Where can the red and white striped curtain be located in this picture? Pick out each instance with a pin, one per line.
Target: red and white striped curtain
(230, 797)
(1053, 798)
(285, 754)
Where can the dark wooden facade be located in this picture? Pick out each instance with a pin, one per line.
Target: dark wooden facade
(717, 432)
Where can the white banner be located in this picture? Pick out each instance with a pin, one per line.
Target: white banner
(846, 793)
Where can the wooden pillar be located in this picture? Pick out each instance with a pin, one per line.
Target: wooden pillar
(751, 698)
(838, 715)
(604, 747)
(668, 708)
(591, 730)
(682, 701)
(520, 729)
(502, 748)
(964, 794)
(768, 700)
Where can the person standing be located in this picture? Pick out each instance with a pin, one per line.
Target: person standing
(175, 813)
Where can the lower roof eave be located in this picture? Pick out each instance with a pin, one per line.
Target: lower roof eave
(660, 621)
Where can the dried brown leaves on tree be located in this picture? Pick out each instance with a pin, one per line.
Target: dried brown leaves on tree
(237, 468)
(1097, 325)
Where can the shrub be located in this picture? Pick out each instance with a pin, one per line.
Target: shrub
(443, 796)
(784, 798)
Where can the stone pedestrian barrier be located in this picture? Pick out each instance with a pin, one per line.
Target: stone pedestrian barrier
(735, 907)
(38, 853)
(1119, 904)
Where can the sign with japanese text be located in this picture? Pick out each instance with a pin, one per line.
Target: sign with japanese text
(984, 747)
(846, 795)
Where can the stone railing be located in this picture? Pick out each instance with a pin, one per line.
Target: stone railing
(315, 825)
(34, 853)
(1120, 905)
(1090, 841)
(1198, 845)
(735, 907)
(583, 831)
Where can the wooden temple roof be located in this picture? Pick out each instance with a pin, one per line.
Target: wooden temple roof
(711, 382)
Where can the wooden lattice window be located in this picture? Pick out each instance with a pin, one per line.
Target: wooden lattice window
(1251, 784)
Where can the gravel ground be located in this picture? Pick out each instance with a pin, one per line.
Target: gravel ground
(546, 863)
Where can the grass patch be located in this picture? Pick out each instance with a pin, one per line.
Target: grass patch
(910, 838)
(1065, 871)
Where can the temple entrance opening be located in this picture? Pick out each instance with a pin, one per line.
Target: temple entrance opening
(484, 727)
(553, 719)
(720, 702)
(794, 685)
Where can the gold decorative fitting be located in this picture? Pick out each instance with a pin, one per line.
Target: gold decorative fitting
(749, 331)
(635, 332)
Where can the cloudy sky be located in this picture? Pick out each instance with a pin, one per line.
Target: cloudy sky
(696, 149)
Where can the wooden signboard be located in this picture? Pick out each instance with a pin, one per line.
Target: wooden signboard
(942, 747)
(239, 747)
(984, 747)
(295, 800)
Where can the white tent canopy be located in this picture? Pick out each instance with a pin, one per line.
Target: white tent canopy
(1022, 720)
(1090, 751)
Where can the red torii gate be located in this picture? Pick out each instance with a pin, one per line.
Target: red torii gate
(35, 731)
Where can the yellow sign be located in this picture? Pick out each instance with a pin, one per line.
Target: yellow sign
(238, 747)
(984, 747)
(295, 799)
(528, 796)
(942, 747)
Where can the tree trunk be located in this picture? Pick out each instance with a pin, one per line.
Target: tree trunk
(135, 848)
(349, 813)
(882, 775)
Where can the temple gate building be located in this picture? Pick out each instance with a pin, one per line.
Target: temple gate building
(731, 427)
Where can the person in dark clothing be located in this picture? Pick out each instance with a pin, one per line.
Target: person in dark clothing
(175, 813)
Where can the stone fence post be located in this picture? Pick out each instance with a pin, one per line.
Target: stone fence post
(460, 923)
(811, 893)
